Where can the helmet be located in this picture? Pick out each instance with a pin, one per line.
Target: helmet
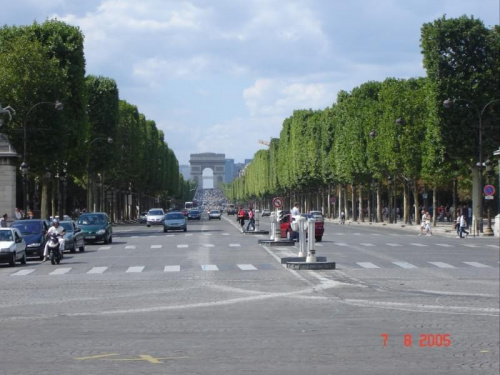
(55, 221)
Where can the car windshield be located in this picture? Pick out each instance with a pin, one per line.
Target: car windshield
(175, 216)
(68, 227)
(91, 220)
(155, 212)
(6, 235)
(27, 227)
(214, 212)
(194, 212)
(144, 213)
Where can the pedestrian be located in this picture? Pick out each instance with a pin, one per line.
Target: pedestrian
(18, 214)
(251, 219)
(31, 215)
(3, 221)
(241, 218)
(342, 218)
(428, 222)
(295, 210)
(422, 222)
(457, 223)
(463, 226)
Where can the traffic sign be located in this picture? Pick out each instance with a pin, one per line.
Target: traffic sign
(489, 190)
(333, 200)
(278, 202)
(489, 197)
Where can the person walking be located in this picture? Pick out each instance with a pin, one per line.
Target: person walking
(428, 223)
(463, 226)
(241, 218)
(342, 218)
(422, 222)
(18, 214)
(251, 219)
(3, 221)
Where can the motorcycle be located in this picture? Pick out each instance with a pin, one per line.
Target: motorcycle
(54, 248)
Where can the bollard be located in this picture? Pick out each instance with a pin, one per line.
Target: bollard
(272, 218)
(311, 255)
(277, 228)
(257, 218)
(301, 226)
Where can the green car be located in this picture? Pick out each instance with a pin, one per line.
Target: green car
(96, 227)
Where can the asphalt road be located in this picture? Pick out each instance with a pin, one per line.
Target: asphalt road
(212, 301)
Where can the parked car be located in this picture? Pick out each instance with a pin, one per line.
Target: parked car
(155, 216)
(74, 237)
(214, 214)
(194, 215)
(12, 246)
(266, 212)
(33, 232)
(96, 227)
(143, 217)
(287, 232)
(174, 220)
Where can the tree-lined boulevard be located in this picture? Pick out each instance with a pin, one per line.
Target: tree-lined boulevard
(213, 301)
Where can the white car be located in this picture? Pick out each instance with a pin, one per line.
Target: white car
(12, 246)
(317, 215)
(155, 216)
(214, 214)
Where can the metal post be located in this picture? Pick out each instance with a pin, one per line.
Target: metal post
(272, 218)
(301, 226)
(311, 252)
(277, 229)
(257, 219)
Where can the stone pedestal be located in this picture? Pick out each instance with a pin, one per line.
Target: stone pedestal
(496, 226)
(8, 162)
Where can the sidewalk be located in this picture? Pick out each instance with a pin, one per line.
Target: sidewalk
(442, 228)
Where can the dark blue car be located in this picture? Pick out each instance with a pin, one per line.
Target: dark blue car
(33, 231)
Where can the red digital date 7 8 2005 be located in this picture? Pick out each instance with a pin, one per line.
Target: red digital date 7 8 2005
(427, 340)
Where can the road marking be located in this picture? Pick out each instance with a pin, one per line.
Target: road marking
(208, 245)
(441, 264)
(404, 265)
(209, 267)
(207, 234)
(104, 248)
(477, 264)
(189, 234)
(471, 245)
(341, 244)
(443, 244)
(136, 269)
(493, 246)
(97, 356)
(418, 244)
(172, 269)
(393, 244)
(156, 246)
(357, 234)
(98, 270)
(367, 265)
(130, 247)
(234, 245)
(60, 271)
(318, 244)
(246, 267)
(366, 244)
(169, 235)
(375, 234)
(182, 246)
(339, 234)
(22, 273)
(225, 234)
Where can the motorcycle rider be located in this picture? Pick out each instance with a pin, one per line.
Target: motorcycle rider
(55, 228)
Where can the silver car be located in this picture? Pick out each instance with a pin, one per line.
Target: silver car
(174, 220)
(214, 214)
(12, 246)
(155, 216)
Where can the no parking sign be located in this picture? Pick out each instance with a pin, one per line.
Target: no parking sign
(278, 202)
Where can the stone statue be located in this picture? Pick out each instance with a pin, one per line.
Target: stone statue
(7, 110)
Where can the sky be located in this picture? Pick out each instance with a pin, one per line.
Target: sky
(220, 75)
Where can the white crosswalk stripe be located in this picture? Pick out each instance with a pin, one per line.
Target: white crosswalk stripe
(357, 234)
(234, 245)
(443, 245)
(341, 244)
(207, 234)
(209, 267)
(375, 234)
(246, 267)
(22, 273)
(60, 271)
(98, 270)
(493, 246)
(477, 264)
(469, 245)
(225, 234)
(442, 265)
(367, 265)
(319, 244)
(182, 246)
(366, 244)
(172, 269)
(104, 248)
(156, 246)
(130, 247)
(393, 244)
(208, 245)
(135, 269)
(189, 234)
(405, 265)
(418, 244)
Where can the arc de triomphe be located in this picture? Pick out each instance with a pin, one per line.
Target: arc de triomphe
(216, 162)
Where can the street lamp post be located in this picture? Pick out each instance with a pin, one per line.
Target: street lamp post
(24, 166)
(110, 141)
(489, 172)
(448, 103)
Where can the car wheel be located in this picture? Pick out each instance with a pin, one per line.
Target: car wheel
(319, 238)
(110, 238)
(185, 229)
(219, 218)
(73, 249)
(23, 259)
(82, 248)
(148, 225)
(165, 230)
(12, 262)
(106, 240)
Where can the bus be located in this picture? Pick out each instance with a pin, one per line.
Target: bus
(188, 205)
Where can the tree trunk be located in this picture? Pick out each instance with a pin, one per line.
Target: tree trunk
(379, 204)
(434, 206)
(415, 198)
(406, 203)
(353, 202)
(361, 210)
(44, 208)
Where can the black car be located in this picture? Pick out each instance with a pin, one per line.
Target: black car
(194, 215)
(33, 232)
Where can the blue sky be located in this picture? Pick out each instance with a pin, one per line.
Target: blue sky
(218, 75)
